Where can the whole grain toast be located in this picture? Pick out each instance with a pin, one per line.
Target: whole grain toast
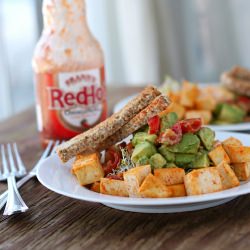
(94, 136)
(159, 104)
(237, 80)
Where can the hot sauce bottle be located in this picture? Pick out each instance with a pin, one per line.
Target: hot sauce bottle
(69, 73)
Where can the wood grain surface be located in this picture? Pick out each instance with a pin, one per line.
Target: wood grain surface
(57, 222)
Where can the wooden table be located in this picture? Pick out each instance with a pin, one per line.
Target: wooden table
(57, 222)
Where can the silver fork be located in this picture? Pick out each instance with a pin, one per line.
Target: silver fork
(50, 149)
(20, 172)
(14, 200)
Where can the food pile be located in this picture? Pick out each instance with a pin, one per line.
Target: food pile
(164, 157)
(213, 104)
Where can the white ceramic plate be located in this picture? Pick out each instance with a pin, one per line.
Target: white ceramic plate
(57, 177)
(230, 127)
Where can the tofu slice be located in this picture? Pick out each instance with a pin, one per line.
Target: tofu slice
(95, 187)
(170, 176)
(113, 187)
(134, 178)
(176, 108)
(227, 175)
(238, 154)
(177, 190)
(231, 141)
(218, 155)
(153, 187)
(205, 102)
(88, 169)
(205, 115)
(203, 181)
(189, 93)
(242, 170)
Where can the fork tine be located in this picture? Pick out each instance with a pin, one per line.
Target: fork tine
(11, 160)
(5, 166)
(47, 150)
(55, 145)
(20, 165)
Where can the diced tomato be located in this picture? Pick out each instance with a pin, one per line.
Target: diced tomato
(171, 136)
(244, 99)
(113, 162)
(154, 124)
(190, 125)
(244, 102)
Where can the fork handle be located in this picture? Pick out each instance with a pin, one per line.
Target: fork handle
(4, 196)
(15, 202)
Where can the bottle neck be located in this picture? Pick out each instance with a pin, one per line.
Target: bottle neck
(64, 15)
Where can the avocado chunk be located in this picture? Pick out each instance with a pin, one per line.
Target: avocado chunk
(157, 161)
(144, 160)
(189, 144)
(140, 137)
(170, 165)
(229, 113)
(168, 120)
(201, 161)
(183, 160)
(207, 137)
(144, 149)
(169, 156)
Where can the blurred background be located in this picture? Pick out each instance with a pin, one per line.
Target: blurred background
(143, 40)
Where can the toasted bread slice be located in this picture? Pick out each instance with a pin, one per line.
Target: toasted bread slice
(159, 104)
(93, 137)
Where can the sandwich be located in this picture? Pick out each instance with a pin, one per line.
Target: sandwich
(237, 80)
(117, 127)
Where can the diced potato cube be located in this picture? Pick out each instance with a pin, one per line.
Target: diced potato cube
(218, 155)
(177, 190)
(238, 154)
(231, 141)
(170, 176)
(242, 170)
(134, 178)
(227, 175)
(88, 169)
(205, 115)
(176, 108)
(202, 181)
(153, 187)
(113, 187)
(205, 102)
(189, 93)
(95, 187)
